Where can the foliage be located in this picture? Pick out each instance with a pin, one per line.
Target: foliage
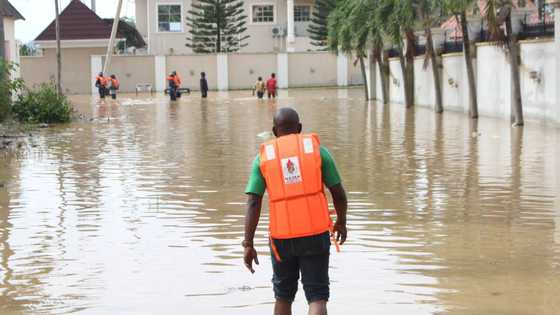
(217, 26)
(318, 29)
(28, 50)
(8, 87)
(43, 105)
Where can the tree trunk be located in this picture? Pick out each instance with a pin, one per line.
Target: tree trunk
(402, 62)
(473, 106)
(384, 73)
(58, 57)
(435, 70)
(364, 76)
(516, 102)
(381, 66)
(409, 69)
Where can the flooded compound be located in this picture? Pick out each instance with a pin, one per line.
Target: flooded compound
(138, 208)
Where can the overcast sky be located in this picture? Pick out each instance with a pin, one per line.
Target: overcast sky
(39, 13)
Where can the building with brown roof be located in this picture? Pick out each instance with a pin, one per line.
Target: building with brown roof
(79, 27)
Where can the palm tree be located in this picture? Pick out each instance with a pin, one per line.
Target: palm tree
(429, 11)
(355, 27)
(496, 13)
(397, 20)
(458, 8)
(346, 36)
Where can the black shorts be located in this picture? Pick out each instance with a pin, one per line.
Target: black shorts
(308, 256)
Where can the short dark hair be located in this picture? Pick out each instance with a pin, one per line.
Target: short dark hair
(203, 74)
(273, 75)
(260, 78)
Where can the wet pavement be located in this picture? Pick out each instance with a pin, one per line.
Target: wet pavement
(138, 209)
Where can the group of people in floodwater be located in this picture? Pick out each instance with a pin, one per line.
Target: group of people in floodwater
(107, 85)
(110, 85)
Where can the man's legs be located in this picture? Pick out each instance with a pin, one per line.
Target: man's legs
(318, 308)
(285, 280)
(282, 307)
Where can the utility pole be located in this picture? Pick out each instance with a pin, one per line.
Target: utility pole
(2, 40)
(58, 56)
(112, 39)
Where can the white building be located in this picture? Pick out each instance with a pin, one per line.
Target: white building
(274, 25)
(11, 15)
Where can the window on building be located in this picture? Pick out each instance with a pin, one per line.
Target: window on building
(170, 18)
(302, 13)
(263, 13)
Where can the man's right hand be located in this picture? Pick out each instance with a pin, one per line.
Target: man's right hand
(248, 257)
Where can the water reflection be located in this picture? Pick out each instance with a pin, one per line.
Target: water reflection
(140, 210)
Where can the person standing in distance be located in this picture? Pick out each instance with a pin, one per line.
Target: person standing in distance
(272, 86)
(293, 169)
(203, 85)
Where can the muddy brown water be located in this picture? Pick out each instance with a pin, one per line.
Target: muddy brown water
(140, 210)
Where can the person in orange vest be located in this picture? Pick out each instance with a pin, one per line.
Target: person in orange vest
(177, 79)
(293, 169)
(115, 85)
(173, 84)
(101, 84)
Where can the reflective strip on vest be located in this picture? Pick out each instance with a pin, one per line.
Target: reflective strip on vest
(291, 166)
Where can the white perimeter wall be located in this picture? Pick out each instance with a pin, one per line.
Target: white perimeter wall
(493, 77)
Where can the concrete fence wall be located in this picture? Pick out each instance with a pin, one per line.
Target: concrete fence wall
(493, 76)
(232, 71)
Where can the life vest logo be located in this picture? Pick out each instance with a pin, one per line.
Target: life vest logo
(291, 170)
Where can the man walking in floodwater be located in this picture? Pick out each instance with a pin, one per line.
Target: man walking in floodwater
(293, 169)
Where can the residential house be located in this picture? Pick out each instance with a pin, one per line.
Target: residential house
(11, 15)
(83, 34)
(273, 25)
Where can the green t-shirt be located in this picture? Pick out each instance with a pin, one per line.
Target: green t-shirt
(330, 175)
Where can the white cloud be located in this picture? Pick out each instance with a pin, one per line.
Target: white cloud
(39, 13)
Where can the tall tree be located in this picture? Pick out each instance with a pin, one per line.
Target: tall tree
(458, 8)
(348, 37)
(217, 26)
(496, 14)
(58, 56)
(430, 11)
(397, 19)
(318, 29)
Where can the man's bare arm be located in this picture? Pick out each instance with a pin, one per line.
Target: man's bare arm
(254, 205)
(341, 205)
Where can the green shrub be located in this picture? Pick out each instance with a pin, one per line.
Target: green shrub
(8, 87)
(42, 105)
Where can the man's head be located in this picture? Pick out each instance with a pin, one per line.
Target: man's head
(113, 76)
(174, 73)
(203, 74)
(260, 78)
(286, 122)
(273, 75)
(100, 74)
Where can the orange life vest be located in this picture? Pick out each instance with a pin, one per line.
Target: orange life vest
(102, 81)
(291, 167)
(115, 83)
(178, 80)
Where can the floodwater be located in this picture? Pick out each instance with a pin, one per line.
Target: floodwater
(138, 209)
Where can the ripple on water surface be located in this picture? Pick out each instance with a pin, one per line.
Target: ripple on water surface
(140, 210)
